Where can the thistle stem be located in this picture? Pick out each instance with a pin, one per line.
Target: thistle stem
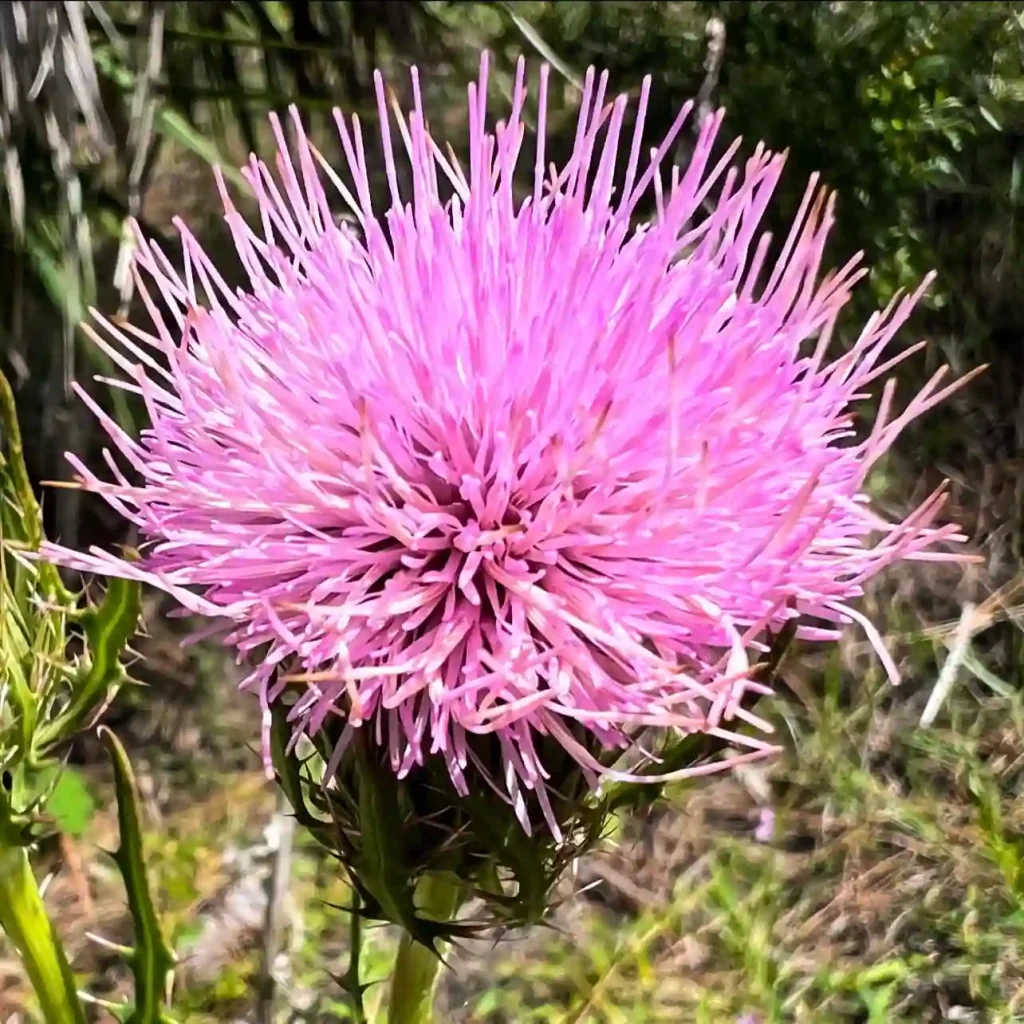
(23, 920)
(417, 969)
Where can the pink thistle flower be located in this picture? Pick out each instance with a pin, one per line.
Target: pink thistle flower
(486, 464)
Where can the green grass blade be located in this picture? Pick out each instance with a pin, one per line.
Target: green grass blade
(175, 127)
(534, 38)
(170, 123)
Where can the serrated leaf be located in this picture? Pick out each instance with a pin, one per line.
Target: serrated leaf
(152, 960)
(27, 524)
(108, 627)
(31, 594)
(23, 920)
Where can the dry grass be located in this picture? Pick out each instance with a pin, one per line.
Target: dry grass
(890, 889)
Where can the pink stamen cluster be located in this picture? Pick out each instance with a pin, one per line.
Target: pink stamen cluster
(511, 464)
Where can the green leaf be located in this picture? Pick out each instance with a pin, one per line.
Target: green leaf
(15, 476)
(152, 960)
(990, 117)
(71, 804)
(31, 594)
(170, 123)
(999, 686)
(931, 66)
(533, 37)
(175, 127)
(23, 920)
(108, 628)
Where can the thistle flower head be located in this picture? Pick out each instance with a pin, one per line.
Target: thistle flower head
(501, 463)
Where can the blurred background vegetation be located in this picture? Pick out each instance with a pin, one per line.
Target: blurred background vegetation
(876, 873)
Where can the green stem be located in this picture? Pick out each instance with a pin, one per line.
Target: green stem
(23, 919)
(417, 969)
